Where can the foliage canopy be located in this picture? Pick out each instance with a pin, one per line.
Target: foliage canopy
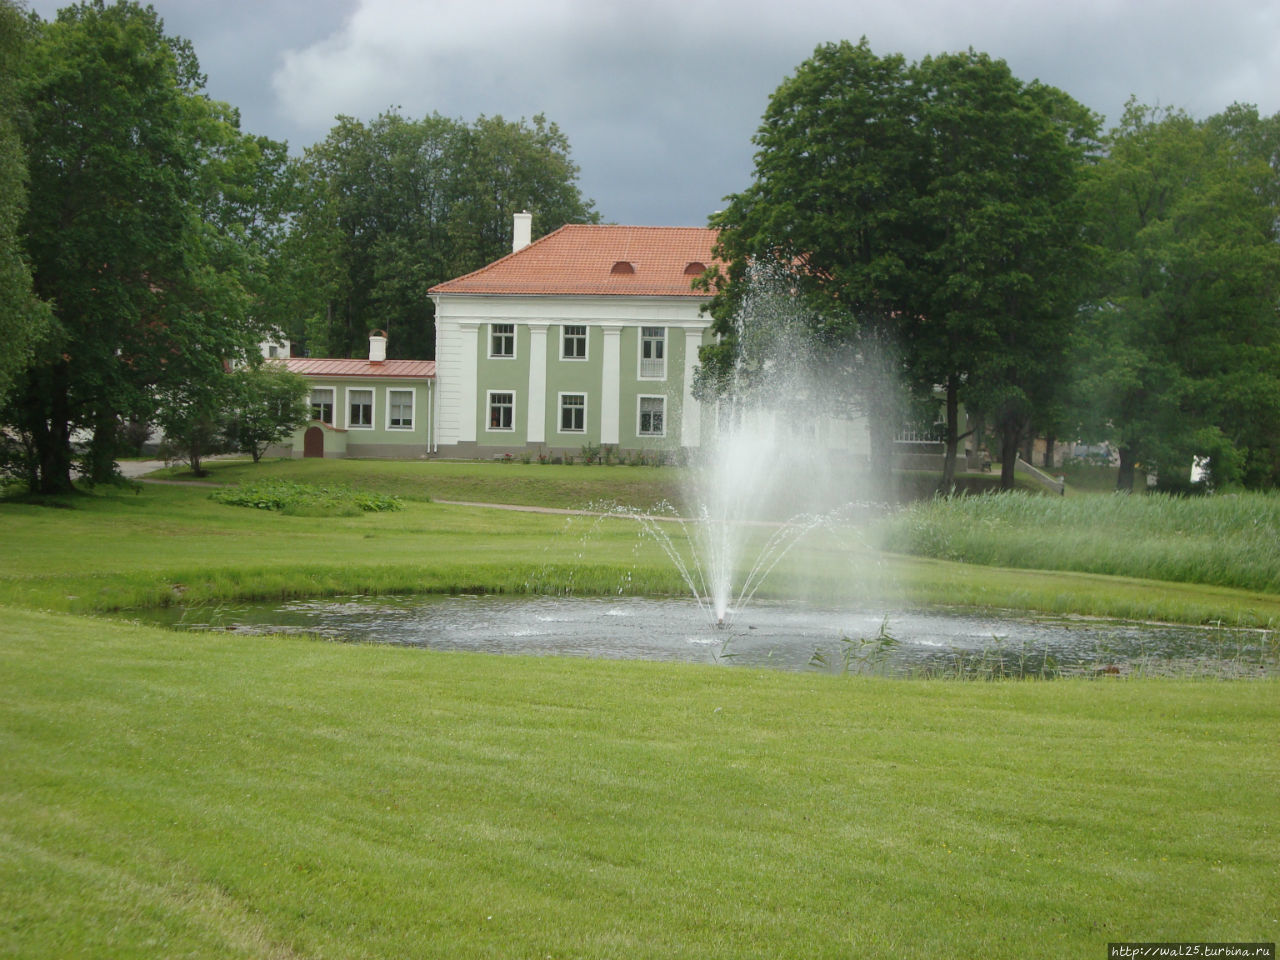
(388, 209)
(924, 213)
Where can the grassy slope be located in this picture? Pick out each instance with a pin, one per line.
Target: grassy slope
(166, 544)
(227, 796)
(541, 485)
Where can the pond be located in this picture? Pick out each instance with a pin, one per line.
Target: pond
(779, 635)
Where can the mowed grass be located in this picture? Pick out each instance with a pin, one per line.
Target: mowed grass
(531, 484)
(161, 545)
(177, 795)
(216, 795)
(167, 544)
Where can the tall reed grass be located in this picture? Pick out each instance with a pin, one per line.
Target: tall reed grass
(1230, 540)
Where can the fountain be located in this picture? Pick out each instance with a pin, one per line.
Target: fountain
(762, 473)
(736, 491)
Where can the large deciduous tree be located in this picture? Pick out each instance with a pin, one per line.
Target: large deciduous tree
(925, 214)
(998, 262)
(1181, 353)
(829, 209)
(390, 208)
(135, 229)
(22, 316)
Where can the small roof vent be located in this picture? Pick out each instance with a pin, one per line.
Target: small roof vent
(622, 268)
(695, 268)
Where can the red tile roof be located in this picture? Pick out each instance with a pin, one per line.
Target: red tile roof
(321, 367)
(581, 259)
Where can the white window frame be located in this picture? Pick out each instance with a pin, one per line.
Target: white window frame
(564, 340)
(488, 412)
(333, 404)
(640, 359)
(560, 428)
(639, 413)
(493, 334)
(413, 408)
(373, 408)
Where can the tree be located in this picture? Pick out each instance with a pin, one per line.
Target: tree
(191, 417)
(390, 208)
(1179, 355)
(998, 265)
(267, 404)
(23, 318)
(925, 214)
(130, 232)
(828, 208)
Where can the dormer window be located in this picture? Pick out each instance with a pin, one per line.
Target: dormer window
(622, 268)
(695, 269)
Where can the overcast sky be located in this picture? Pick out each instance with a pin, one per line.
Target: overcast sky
(660, 98)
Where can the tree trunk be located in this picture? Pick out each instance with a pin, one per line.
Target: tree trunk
(1049, 444)
(100, 461)
(1124, 480)
(53, 448)
(48, 422)
(952, 438)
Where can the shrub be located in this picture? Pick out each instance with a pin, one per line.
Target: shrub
(300, 499)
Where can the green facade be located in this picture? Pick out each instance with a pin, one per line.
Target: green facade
(394, 429)
(580, 377)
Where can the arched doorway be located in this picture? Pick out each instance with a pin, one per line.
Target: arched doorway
(313, 442)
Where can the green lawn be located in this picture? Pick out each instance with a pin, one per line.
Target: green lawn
(217, 795)
(167, 544)
(533, 484)
(224, 796)
(577, 486)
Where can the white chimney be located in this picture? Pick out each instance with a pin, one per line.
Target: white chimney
(522, 231)
(378, 346)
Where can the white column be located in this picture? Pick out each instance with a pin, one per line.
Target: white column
(537, 402)
(468, 377)
(691, 411)
(611, 383)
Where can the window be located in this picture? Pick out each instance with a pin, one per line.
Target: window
(322, 404)
(573, 413)
(502, 339)
(502, 405)
(575, 343)
(652, 417)
(400, 409)
(653, 364)
(361, 404)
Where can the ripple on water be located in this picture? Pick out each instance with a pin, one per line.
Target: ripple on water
(789, 636)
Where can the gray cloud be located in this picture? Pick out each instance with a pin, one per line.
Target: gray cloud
(660, 98)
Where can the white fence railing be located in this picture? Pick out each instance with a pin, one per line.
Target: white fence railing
(1057, 484)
